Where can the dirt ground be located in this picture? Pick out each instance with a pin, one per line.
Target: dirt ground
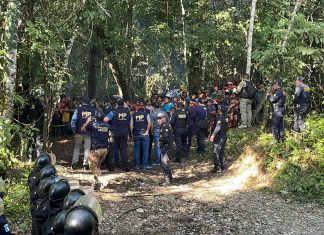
(198, 202)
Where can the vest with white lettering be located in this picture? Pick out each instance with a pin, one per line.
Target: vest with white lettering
(120, 122)
(140, 122)
(100, 135)
(84, 112)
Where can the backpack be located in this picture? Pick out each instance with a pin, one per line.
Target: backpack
(204, 123)
(250, 90)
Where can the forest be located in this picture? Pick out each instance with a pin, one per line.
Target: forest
(136, 48)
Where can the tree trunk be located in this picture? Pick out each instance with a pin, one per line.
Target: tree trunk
(290, 25)
(184, 41)
(11, 30)
(119, 78)
(250, 38)
(195, 64)
(92, 79)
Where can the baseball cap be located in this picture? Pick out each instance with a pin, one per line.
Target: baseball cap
(300, 78)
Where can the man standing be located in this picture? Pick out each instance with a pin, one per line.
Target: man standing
(99, 147)
(165, 141)
(120, 124)
(156, 129)
(218, 138)
(141, 125)
(301, 104)
(277, 99)
(246, 91)
(180, 123)
(203, 124)
(80, 116)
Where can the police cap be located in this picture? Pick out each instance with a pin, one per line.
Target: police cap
(300, 78)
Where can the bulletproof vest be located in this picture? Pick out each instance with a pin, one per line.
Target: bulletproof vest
(41, 214)
(33, 181)
(140, 122)
(165, 134)
(224, 125)
(181, 119)
(100, 135)
(246, 91)
(53, 212)
(120, 121)
(304, 98)
(84, 112)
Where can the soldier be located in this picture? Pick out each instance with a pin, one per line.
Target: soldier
(301, 104)
(100, 134)
(120, 124)
(219, 137)
(80, 116)
(165, 141)
(4, 227)
(180, 123)
(141, 125)
(277, 99)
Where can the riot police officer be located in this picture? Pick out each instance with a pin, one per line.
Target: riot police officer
(277, 99)
(141, 125)
(80, 116)
(100, 134)
(301, 104)
(119, 124)
(219, 137)
(180, 123)
(165, 141)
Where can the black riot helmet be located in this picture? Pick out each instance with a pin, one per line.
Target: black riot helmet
(43, 160)
(50, 170)
(58, 223)
(45, 185)
(61, 189)
(72, 198)
(80, 221)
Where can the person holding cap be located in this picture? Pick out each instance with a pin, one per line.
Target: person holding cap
(277, 99)
(79, 118)
(218, 138)
(301, 104)
(165, 141)
(119, 119)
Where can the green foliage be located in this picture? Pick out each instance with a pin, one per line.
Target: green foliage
(302, 172)
(17, 200)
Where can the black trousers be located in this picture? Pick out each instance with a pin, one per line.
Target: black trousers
(165, 164)
(219, 151)
(201, 136)
(121, 141)
(182, 144)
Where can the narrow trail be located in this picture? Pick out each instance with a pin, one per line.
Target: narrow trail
(199, 202)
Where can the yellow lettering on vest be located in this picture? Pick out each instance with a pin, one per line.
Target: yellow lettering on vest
(140, 118)
(122, 116)
(182, 116)
(86, 114)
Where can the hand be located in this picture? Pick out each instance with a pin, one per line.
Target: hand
(146, 133)
(212, 137)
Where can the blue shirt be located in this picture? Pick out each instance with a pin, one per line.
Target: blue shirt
(167, 107)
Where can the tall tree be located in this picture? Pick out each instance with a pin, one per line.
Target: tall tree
(250, 38)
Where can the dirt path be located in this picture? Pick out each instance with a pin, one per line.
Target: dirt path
(198, 202)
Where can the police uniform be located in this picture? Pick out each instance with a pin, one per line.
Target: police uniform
(120, 123)
(278, 100)
(202, 127)
(79, 118)
(301, 105)
(180, 123)
(220, 137)
(165, 141)
(141, 120)
(100, 134)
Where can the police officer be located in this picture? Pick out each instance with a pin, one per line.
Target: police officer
(165, 141)
(120, 125)
(180, 123)
(277, 99)
(80, 116)
(301, 104)
(141, 125)
(202, 122)
(100, 134)
(4, 227)
(156, 129)
(219, 137)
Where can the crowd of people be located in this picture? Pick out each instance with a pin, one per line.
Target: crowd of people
(162, 120)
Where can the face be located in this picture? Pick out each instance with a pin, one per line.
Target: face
(161, 121)
(166, 100)
(297, 82)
